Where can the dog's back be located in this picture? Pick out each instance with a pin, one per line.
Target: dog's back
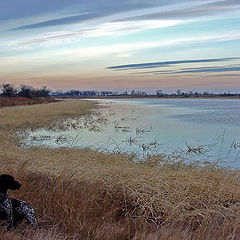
(22, 210)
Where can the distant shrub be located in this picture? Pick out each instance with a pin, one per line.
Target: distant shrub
(42, 92)
(27, 91)
(30, 92)
(8, 90)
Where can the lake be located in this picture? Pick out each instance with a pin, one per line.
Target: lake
(205, 129)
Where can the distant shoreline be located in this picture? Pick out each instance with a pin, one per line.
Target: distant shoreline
(147, 97)
(16, 101)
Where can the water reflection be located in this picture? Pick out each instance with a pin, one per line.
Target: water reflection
(152, 126)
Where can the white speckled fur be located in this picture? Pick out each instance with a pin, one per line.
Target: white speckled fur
(6, 206)
(26, 210)
(13, 210)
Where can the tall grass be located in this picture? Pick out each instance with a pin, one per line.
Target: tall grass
(85, 194)
(35, 116)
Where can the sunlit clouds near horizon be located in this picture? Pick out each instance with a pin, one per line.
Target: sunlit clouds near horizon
(121, 45)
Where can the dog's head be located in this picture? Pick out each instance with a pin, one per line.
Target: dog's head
(8, 182)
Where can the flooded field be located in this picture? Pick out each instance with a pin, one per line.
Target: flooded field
(203, 128)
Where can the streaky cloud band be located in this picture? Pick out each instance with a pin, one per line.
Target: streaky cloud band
(216, 69)
(167, 63)
(60, 21)
(221, 69)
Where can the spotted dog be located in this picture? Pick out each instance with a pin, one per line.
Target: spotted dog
(13, 210)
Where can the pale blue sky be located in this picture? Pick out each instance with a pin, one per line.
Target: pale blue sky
(121, 45)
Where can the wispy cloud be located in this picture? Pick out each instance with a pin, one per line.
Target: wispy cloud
(121, 29)
(118, 49)
(224, 75)
(168, 64)
(190, 71)
(15, 9)
(210, 69)
(89, 10)
(60, 21)
(135, 10)
(191, 12)
(105, 29)
(102, 18)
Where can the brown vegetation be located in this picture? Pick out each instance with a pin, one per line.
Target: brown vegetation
(84, 194)
(16, 101)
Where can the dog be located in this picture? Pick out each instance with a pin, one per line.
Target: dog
(13, 210)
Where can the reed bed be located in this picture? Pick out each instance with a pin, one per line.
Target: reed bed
(85, 194)
(36, 116)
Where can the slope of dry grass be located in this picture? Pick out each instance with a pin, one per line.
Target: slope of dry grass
(84, 194)
(17, 101)
(36, 116)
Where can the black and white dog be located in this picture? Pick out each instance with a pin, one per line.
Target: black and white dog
(11, 209)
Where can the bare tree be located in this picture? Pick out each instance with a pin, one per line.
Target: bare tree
(179, 92)
(8, 89)
(26, 91)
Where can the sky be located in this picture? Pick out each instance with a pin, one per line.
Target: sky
(121, 45)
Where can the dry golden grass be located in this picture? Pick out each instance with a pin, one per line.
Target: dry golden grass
(17, 101)
(84, 194)
(35, 116)
(29, 234)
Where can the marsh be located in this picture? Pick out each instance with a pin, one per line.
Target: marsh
(205, 128)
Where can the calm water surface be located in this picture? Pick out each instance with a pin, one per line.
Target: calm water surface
(199, 128)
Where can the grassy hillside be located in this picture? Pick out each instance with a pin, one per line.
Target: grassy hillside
(84, 194)
(17, 101)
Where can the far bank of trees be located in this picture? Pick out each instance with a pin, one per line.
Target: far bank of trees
(9, 90)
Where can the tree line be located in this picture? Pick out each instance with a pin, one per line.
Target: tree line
(9, 90)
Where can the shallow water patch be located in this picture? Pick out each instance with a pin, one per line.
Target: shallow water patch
(145, 128)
